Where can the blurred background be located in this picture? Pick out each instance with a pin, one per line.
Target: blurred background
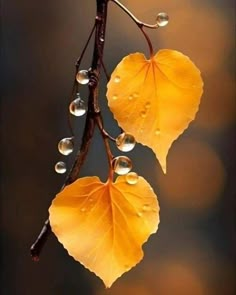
(194, 250)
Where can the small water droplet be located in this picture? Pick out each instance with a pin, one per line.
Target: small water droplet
(135, 94)
(162, 19)
(83, 209)
(122, 165)
(141, 130)
(82, 77)
(143, 114)
(157, 131)
(147, 105)
(77, 107)
(114, 97)
(60, 167)
(131, 97)
(140, 214)
(145, 207)
(66, 146)
(127, 267)
(125, 142)
(117, 79)
(102, 39)
(131, 178)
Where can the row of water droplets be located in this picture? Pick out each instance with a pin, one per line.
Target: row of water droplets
(77, 108)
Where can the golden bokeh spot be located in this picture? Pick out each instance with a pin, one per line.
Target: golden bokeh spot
(195, 176)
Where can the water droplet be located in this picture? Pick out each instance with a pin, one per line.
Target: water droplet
(145, 207)
(131, 178)
(102, 39)
(131, 97)
(147, 105)
(125, 142)
(157, 132)
(162, 19)
(135, 94)
(83, 209)
(122, 165)
(141, 130)
(127, 267)
(114, 97)
(60, 167)
(140, 214)
(66, 146)
(143, 114)
(90, 200)
(77, 107)
(117, 79)
(82, 77)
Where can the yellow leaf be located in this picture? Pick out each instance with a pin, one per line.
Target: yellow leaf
(156, 99)
(104, 225)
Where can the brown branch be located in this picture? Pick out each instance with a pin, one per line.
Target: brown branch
(93, 112)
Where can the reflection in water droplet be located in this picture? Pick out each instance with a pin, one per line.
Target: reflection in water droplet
(60, 167)
(131, 178)
(114, 97)
(162, 19)
(66, 146)
(125, 142)
(117, 79)
(82, 77)
(122, 165)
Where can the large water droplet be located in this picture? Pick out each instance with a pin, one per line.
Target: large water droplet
(66, 146)
(77, 107)
(60, 167)
(82, 77)
(117, 79)
(162, 19)
(131, 178)
(122, 165)
(125, 142)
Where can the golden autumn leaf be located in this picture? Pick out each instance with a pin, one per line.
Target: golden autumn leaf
(156, 99)
(104, 225)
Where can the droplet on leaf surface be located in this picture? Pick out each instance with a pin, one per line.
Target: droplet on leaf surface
(60, 167)
(162, 19)
(82, 77)
(131, 178)
(66, 146)
(125, 142)
(122, 165)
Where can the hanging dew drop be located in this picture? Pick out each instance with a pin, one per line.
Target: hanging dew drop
(82, 77)
(125, 142)
(131, 178)
(77, 107)
(66, 146)
(122, 165)
(162, 19)
(60, 167)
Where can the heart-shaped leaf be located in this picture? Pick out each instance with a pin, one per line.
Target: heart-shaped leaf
(156, 99)
(104, 225)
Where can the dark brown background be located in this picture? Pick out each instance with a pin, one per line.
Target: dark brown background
(193, 251)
